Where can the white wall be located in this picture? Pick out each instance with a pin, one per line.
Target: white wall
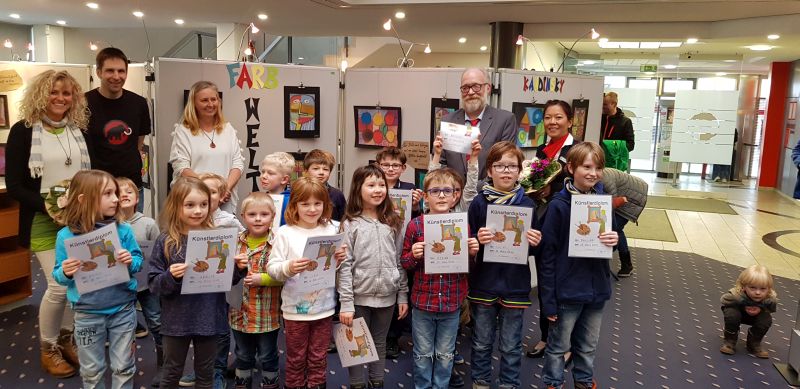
(388, 55)
(132, 41)
(549, 56)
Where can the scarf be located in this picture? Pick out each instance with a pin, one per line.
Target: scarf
(570, 187)
(35, 162)
(497, 196)
(554, 147)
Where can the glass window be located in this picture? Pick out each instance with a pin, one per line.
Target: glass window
(716, 83)
(764, 88)
(672, 86)
(642, 84)
(614, 81)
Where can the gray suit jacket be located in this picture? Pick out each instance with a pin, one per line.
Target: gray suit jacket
(496, 125)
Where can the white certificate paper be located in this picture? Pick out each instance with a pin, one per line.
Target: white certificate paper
(97, 251)
(446, 248)
(209, 254)
(277, 200)
(355, 343)
(401, 198)
(509, 224)
(141, 277)
(322, 272)
(458, 137)
(590, 216)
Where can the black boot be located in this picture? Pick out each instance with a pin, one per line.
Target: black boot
(159, 364)
(626, 267)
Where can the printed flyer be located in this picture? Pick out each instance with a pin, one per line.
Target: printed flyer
(97, 251)
(141, 277)
(355, 343)
(209, 254)
(277, 200)
(458, 137)
(509, 225)
(590, 216)
(446, 248)
(401, 198)
(322, 272)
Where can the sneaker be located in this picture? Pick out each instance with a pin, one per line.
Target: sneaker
(267, 383)
(242, 383)
(625, 271)
(141, 331)
(584, 385)
(456, 380)
(480, 385)
(187, 380)
(458, 359)
(219, 381)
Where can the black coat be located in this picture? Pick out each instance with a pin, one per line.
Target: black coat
(617, 127)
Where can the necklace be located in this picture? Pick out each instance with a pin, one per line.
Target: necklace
(68, 161)
(211, 138)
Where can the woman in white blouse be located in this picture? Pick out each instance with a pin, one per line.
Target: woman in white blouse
(205, 143)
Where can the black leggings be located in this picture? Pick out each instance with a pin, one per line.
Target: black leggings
(175, 350)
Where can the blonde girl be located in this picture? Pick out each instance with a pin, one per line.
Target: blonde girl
(751, 301)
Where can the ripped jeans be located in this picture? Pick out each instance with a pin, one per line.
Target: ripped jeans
(434, 335)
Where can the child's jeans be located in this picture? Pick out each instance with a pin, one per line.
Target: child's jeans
(736, 316)
(257, 350)
(175, 350)
(378, 320)
(306, 351)
(485, 318)
(434, 335)
(578, 323)
(91, 332)
(151, 310)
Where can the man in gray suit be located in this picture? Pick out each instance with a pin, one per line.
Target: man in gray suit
(495, 124)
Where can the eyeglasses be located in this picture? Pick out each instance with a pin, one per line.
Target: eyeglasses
(501, 168)
(436, 192)
(395, 166)
(475, 88)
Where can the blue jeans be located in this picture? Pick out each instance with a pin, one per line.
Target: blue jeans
(619, 226)
(578, 329)
(257, 350)
(223, 348)
(434, 335)
(151, 310)
(91, 332)
(485, 318)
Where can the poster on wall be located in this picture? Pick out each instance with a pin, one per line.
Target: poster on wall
(580, 111)
(530, 126)
(297, 171)
(5, 121)
(301, 111)
(440, 107)
(377, 127)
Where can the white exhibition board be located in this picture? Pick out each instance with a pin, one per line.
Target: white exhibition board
(703, 127)
(135, 81)
(515, 87)
(259, 135)
(639, 106)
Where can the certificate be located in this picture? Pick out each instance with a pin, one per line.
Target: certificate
(209, 254)
(321, 273)
(446, 248)
(458, 137)
(355, 343)
(590, 216)
(277, 200)
(97, 251)
(509, 224)
(402, 199)
(141, 277)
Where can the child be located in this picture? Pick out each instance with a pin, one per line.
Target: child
(499, 292)
(371, 279)
(306, 316)
(318, 165)
(107, 314)
(469, 189)
(256, 322)
(435, 298)
(574, 290)
(144, 229)
(186, 318)
(217, 186)
(276, 169)
(751, 301)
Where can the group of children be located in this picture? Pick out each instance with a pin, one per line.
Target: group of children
(377, 267)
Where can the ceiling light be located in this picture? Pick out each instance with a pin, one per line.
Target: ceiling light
(14, 16)
(650, 45)
(138, 14)
(595, 34)
(92, 5)
(254, 29)
(603, 40)
(427, 49)
(262, 16)
(300, 58)
(671, 44)
(248, 51)
(729, 60)
(589, 62)
(772, 37)
(484, 48)
(759, 47)
(178, 21)
(608, 45)
(92, 46)
(61, 22)
(691, 41)
(7, 44)
(400, 15)
(388, 25)
(628, 45)
(462, 40)
(670, 66)
(720, 74)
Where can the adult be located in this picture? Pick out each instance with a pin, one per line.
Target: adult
(796, 161)
(495, 124)
(614, 125)
(44, 148)
(205, 143)
(119, 121)
(630, 197)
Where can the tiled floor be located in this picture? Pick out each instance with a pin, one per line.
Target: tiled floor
(735, 239)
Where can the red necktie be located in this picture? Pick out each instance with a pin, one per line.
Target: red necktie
(473, 123)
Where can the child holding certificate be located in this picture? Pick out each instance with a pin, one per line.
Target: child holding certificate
(107, 314)
(574, 290)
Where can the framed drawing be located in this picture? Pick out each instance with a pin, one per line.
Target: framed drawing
(5, 121)
(301, 112)
(297, 171)
(377, 127)
(530, 124)
(580, 112)
(440, 107)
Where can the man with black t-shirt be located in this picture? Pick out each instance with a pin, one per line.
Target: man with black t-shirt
(119, 121)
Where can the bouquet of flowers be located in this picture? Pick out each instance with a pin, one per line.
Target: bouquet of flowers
(538, 173)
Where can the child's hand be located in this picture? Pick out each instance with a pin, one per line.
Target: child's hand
(438, 146)
(340, 254)
(609, 238)
(346, 318)
(752, 310)
(473, 246)
(241, 261)
(418, 250)
(485, 235)
(553, 318)
(178, 270)
(253, 279)
(124, 257)
(534, 237)
(299, 265)
(70, 266)
(476, 151)
(402, 311)
(416, 196)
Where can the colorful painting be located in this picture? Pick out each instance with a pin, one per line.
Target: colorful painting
(530, 126)
(440, 107)
(377, 127)
(297, 172)
(5, 121)
(301, 112)
(580, 112)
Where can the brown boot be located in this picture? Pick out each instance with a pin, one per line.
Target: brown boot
(754, 346)
(53, 362)
(729, 344)
(68, 348)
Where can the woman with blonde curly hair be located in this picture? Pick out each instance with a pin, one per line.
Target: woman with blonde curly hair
(45, 148)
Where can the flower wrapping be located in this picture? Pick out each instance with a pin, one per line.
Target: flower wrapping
(538, 173)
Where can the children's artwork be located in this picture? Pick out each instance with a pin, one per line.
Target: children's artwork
(458, 137)
(297, 172)
(440, 107)
(401, 198)
(509, 225)
(209, 254)
(446, 243)
(321, 273)
(5, 121)
(97, 251)
(141, 277)
(580, 112)
(145, 167)
(355, 343)
(419, 177)
(590, 216)
(301, 111)
(277, 201)
(377, 127)
(530, 124)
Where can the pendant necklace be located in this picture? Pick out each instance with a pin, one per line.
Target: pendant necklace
(211, 138)
(68, 161)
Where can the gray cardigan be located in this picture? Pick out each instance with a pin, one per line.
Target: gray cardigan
(619, 183)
